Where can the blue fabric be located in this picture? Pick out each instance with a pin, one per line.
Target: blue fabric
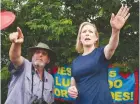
(91, 75)
(19, 90)
(122, 89)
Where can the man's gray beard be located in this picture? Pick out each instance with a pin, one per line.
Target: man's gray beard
(38, 64)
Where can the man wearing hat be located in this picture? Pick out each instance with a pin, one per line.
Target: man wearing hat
(30, 82)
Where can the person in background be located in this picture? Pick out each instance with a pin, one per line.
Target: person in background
(30, 82)
(89, 83)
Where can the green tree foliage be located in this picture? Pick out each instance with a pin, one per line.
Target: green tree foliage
(5, 78)
(43, 21)
(56, 22)
(99, 12)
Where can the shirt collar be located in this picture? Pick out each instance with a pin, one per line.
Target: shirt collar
(30, 72)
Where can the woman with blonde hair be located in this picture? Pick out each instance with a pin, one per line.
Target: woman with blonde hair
(89, 83)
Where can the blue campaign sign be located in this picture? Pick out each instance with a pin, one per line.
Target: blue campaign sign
(122, 89)
(62, 82)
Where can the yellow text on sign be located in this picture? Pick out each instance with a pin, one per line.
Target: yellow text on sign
(62, 82)
(61, 93)
(64, 71)
(112, 73)
(116, 84)
(122, 96)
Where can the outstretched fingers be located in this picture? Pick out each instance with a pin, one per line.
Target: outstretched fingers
(125, 11)
(20, 32)
(127, 16)
(120, 11)
(20, 37)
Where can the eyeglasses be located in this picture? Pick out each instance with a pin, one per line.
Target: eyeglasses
(43, 52)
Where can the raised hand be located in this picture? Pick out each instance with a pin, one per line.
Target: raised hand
(117, 21)
(17, 37)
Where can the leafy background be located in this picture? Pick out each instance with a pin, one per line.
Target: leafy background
(56, 23)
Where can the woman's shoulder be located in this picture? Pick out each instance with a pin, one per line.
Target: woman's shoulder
(100, 48)
(75, 59)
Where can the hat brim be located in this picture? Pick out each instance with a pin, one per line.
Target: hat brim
(51, 54)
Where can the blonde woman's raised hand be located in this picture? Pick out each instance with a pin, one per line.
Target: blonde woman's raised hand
(117, 21)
